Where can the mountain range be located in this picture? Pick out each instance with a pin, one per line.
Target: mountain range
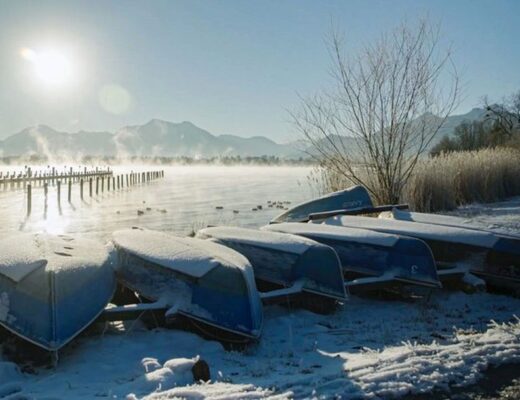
(155, 138)
(162, 139)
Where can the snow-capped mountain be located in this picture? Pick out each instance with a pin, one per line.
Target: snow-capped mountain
(168, 139)
(155, 138)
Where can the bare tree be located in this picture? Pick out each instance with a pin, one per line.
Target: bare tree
(505, 116)
(384, 109)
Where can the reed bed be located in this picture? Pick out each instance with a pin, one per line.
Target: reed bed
(453, 179)
(447, 181)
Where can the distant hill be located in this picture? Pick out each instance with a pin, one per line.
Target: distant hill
(155, 138)
(169, 139)
(448, 128)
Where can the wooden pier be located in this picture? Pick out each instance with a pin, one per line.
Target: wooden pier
(17, 179)
(94, 178)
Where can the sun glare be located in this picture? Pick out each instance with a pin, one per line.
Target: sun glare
(51, 66)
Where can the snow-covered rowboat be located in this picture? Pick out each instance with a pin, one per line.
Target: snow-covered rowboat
(209, 284)
(444, 220)
(493, 257)
(456, 246)
(298, 264)
(354, 200)
(383, 259)
(52, 287)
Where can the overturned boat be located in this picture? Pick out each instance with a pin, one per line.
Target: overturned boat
(384, 259)
(354, 200)
(52, 287)
(444, 220)
(211, 285)
(457, 247)
(297, 264)
(492, 257)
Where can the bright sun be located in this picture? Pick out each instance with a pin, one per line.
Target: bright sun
(50, 66)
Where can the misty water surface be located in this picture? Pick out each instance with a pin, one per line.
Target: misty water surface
(184, 200)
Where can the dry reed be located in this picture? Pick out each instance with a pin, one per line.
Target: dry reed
(454, 179)
(449, 180)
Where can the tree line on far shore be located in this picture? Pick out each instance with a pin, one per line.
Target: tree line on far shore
(265, 160)
(500, 127)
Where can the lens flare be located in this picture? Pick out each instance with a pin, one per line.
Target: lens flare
(115, 99)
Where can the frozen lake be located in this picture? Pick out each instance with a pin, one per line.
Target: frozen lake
(189, 194)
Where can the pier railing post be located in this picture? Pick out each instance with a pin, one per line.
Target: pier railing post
(29, 199)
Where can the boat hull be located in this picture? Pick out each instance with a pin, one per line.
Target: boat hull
(352, 198)
(282, 259)
(443, 220)
(363, 253)
(222, 297)
(60, 297)
(492, 257)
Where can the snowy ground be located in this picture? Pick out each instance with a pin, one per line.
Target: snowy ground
(369, 348)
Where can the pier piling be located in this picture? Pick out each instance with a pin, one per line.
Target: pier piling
(29, 199)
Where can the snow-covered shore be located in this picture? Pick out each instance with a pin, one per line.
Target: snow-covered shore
(369, 348)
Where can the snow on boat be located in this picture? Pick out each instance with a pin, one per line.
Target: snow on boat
(365, 253)
(52, 287)
(284, 260)
(208, 283)
(439, 219)
(493, 257)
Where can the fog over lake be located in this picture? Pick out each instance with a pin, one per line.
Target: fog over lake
(184, 200)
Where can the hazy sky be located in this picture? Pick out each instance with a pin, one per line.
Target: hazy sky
(227, 66)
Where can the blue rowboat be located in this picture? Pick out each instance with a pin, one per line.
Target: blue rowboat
(354, 198)
(457, 247)
(203, 281)
(285, 260)
(52, 287)
(363, 253)
(493, 257)
(444, 220)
